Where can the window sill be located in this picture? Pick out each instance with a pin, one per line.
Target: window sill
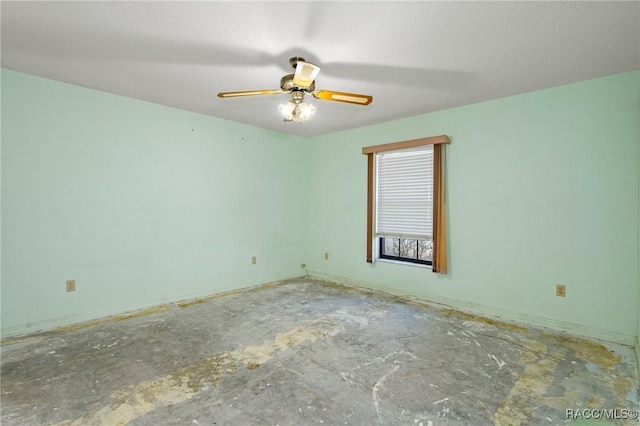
(399, 262)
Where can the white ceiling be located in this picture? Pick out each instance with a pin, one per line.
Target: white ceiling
(412, 57)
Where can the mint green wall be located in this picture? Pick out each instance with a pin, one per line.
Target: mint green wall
(144, 204)
(140, 203)
(542, 189)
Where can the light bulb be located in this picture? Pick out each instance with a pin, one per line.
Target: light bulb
(307, 110)
(287, 110)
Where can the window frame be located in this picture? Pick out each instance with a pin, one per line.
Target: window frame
(439, 262)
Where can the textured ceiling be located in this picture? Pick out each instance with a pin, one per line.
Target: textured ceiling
(412, 57)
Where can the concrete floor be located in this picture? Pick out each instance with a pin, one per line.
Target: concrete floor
(307, 353)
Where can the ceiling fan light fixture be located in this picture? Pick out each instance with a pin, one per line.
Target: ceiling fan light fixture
(298, 112)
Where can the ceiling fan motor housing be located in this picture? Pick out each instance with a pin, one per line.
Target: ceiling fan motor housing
(286, 84)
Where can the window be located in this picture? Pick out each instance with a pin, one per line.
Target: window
(405, 202)
(406, 249)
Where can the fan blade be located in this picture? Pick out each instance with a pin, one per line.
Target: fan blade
(351, 98)
(306, 73)
(249, 93)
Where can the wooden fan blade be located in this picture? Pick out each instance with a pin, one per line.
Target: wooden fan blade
(351, 98)
(248, 93)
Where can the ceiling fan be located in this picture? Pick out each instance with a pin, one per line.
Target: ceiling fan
(299, 84)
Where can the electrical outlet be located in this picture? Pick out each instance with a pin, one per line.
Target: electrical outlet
(326, 255)
(561, 290)
(254, 260)
(71, 285)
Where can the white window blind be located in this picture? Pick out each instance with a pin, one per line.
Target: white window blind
(404, 186)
